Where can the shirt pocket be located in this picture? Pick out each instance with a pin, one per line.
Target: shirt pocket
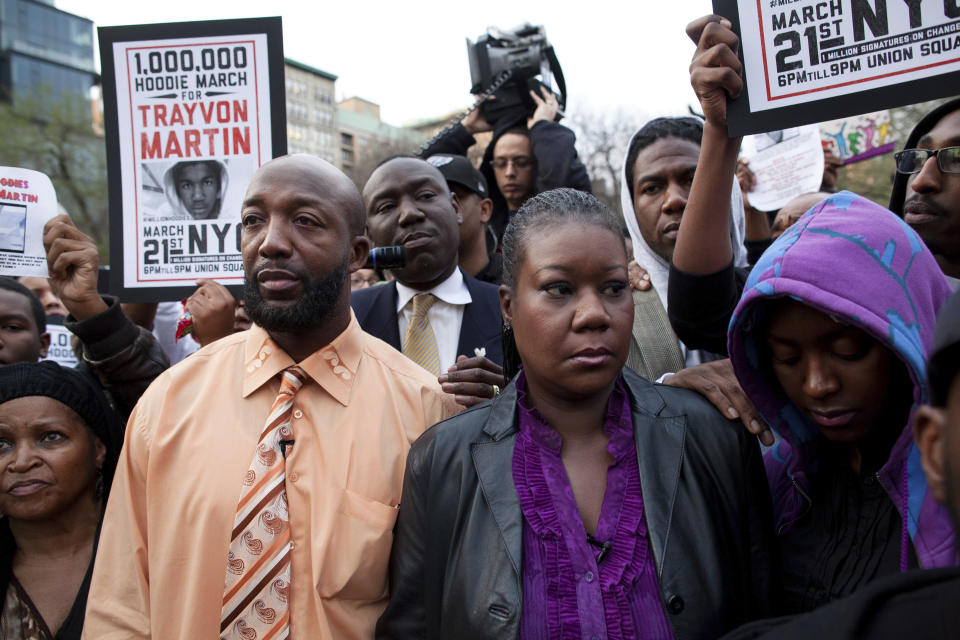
(356, 562)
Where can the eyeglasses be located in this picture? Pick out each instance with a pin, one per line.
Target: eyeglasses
(912, 160)
(520, 162)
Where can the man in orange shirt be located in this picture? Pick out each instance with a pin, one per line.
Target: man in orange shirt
(259, 482)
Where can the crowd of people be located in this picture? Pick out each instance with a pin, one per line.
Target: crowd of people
(695, 420)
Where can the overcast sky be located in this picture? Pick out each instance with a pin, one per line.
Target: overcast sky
(616, 54)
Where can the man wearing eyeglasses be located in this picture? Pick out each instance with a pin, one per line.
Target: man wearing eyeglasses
(526, 156)
(926, 189)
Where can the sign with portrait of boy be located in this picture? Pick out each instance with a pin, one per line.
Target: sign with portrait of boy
(191, 111)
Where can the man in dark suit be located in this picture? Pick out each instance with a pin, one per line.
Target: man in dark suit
(439, 316)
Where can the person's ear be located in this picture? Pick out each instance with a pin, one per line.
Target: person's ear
(486, 210)
(44, 344)
(100, 450)
(506, 303)
(928, 431)
(455, 201)
(359, 250)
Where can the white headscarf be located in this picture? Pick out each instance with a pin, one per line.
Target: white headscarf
(658, 268)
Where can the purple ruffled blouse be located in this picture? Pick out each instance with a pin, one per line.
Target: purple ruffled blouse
(572, 588)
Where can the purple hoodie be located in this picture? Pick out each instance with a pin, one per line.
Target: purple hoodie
(854, 260)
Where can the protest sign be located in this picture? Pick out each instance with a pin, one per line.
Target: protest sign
(810, 61)
(60, 349)
(191, 111)
(785, 164)
(27, 201)
(860, 137)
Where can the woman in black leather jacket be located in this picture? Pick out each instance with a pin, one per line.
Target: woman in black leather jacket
(583, 501)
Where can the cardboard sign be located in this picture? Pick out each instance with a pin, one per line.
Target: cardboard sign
(27, 201)
(785, 163)
(808, 61)
(192, 110)
(860, 137)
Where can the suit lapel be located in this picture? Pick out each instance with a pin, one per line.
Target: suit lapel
(384, 323)
(476, 329)
(658, 345)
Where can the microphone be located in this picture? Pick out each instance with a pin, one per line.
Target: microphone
(387, 258)
(283, 447)
(604, 547)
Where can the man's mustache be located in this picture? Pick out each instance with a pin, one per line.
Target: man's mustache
(922, 204)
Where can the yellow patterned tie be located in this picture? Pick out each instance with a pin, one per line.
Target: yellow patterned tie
(420, 344)
(257, 588)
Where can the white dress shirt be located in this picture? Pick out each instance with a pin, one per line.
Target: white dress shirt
(445, 316)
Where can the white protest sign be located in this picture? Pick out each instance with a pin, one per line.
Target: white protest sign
(196, 113)
(785, 163)
(60, 350)
(810, 61)
(814, 49)
(27, 201)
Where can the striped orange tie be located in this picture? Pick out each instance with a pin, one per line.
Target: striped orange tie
(420, 344)
(257, 590)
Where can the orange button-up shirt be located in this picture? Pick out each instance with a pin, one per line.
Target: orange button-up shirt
(161, 561)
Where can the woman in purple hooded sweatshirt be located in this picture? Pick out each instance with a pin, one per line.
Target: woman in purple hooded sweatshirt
(828, 341)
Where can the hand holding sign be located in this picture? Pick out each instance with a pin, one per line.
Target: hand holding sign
(715, 69)
(73, 262)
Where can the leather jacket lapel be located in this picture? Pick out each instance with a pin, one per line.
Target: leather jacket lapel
(659, 441)
(494, 462)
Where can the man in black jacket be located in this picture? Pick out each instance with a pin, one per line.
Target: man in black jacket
(525, 157)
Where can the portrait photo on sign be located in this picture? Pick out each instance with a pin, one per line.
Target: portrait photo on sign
(13, 227)
(203, 189)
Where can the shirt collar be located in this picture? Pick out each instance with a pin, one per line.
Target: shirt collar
(453, 290)
(333, 367)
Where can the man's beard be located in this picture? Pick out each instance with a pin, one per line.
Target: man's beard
(319, 298)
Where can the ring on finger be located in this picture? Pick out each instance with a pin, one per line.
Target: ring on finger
(496, 391)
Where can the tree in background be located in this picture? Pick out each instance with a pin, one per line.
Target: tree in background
(602, 139)
(54, 135)
(873, 178)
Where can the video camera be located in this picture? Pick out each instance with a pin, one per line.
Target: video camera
(526, 54)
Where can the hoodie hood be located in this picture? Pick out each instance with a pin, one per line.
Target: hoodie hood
(891, 288)
(173, 197)
(899, 192)
(657, 267)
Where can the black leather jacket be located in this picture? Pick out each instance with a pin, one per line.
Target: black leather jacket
(457, 554)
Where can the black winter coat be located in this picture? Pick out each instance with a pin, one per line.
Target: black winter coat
(553, 149)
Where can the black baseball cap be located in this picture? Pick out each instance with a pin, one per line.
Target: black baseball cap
(945, 355)
(459, 170)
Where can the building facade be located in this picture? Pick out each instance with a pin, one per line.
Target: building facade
(44, 51)
(311, 111)
(365, 139)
